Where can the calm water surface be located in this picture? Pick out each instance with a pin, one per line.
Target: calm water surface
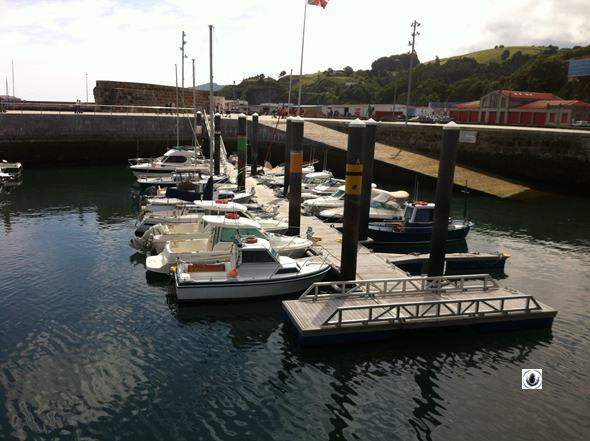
(92, 349)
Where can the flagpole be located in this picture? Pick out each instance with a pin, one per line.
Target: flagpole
(301, 65)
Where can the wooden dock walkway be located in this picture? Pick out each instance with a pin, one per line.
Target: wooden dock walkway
(405, 159)
(369, 264)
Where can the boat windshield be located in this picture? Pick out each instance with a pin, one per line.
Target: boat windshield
(424, 215)
(408, 213)
(339, 194)
(228, 234)
(377, 204)
(174, 160)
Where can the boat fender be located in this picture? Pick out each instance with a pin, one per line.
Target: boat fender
(233, 273)
(153, 164)
(232, 216)
(398, 227)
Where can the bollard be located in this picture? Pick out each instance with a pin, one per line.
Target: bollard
(295, 166)
(368, 159)
(444, 192)
(288, 140)
(254, 144)
(352, 200)
(217, 143)
(242, 152)
(199, 127)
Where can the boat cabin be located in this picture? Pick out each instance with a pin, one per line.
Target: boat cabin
(174, 157)
(420, 213)
(316, 178)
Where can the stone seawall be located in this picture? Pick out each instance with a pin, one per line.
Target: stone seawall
(81, 138)
(546, 157)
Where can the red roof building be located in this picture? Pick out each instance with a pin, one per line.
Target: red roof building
(511, 107)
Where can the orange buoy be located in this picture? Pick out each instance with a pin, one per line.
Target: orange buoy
(232, 216)
(232, 273)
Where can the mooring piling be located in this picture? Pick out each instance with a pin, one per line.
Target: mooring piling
(217, 143)
(368, 159)
(295, 170)
(242, 152)
(199, 127)
(352, 199)
(288, 141)
(254, 145)
(444, 192)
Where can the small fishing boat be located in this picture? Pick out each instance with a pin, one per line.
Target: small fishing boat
(416, 263)
(416, 227)
(384, 206)
(255, 270)
(170, 162)
(213, 243)
(194, 212)
(10, 171)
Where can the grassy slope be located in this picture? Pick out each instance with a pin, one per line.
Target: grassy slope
(489, 55)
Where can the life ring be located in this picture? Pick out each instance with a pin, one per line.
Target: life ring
(420, 203)
(250, 239)
(221, 201)
(232, 216)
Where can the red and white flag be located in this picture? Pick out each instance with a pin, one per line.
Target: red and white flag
(322, 3)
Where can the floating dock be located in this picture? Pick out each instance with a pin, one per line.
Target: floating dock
(379, 309)
(385, 300)
(425, 165)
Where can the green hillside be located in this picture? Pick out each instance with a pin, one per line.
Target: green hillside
(461, 78)
(495, 55)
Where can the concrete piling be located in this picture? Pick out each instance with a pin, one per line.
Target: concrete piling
(242, 152)
(444, 192)
(288, 140)
(352, 199)
(199, 127)
(368, 159)
(295, 170)
(254, 144)
(217, 152)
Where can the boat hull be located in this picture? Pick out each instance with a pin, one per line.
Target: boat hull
(389, 235)
(239, 289)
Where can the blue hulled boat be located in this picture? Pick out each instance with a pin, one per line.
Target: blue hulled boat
(416, 227)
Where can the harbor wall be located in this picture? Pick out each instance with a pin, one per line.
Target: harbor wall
(45, 139)
(559, 158)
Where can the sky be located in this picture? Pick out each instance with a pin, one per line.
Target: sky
(54, 43)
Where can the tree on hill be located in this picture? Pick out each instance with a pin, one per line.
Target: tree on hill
(394, 63)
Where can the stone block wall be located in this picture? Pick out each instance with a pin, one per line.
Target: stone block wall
(141, 94)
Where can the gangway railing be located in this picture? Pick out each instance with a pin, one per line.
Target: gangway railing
(400, 286)
(426, 310)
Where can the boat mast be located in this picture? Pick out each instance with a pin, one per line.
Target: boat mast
(211, 104)
(177, 120)
(183, 43)
(194, 110)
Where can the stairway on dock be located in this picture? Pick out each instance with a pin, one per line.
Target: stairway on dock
(477, 180)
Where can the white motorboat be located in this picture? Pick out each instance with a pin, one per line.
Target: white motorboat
(255, 270)
(194, 212)
(325, 189)
(384, 206)
(10, 171)
(335, 200)
(213, 243)
(170, 162)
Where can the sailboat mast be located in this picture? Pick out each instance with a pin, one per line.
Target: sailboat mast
(212, 145)
(194, 110)
(177, 116)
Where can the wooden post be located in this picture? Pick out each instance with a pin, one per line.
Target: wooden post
(368, 159)
(254, 144)
(217, 152)
(242, 152)
(295, 170)
(288, 140)
(352, 199)
(444, 192)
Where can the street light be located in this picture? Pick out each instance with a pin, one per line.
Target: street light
(414, 25)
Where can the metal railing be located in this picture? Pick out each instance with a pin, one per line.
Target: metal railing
(434, 309)
(401, 286)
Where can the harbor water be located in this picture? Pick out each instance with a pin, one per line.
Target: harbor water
(92, 348)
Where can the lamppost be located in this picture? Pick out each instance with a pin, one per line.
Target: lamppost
(86, 87)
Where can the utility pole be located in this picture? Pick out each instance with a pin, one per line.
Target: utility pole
(194, 109)
(414, 25)
(86, 87)
(289, 101)
(183, 42)
(301, 64)
(177, 120)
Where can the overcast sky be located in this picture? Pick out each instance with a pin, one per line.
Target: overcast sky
(55, 42)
